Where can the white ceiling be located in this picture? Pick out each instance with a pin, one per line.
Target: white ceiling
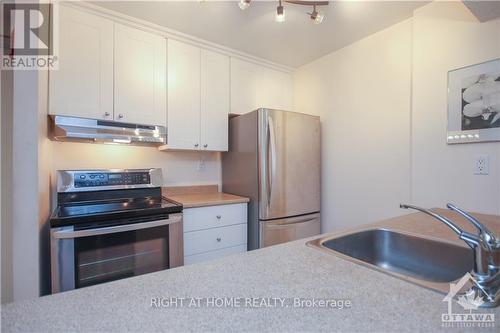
(293, 43)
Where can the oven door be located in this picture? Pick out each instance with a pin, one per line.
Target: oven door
(87, 257)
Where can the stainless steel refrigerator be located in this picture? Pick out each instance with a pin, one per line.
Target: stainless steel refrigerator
(274, 159)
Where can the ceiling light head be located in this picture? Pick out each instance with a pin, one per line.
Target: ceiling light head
(280, 14)
(316, 16)
(244, 4)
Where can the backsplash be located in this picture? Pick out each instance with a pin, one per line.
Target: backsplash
(179, 168)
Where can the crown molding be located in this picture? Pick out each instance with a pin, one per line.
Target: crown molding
(173, 34)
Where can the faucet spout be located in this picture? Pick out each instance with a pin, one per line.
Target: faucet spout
(443, 219)
(486, 247)
(471, 239)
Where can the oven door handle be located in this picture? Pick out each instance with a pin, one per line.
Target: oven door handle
(69, 233)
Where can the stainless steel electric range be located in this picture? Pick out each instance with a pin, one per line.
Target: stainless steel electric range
(112, 224)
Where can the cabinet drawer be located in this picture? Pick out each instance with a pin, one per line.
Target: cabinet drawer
(214, 216)
(214, 239)
(214, 254)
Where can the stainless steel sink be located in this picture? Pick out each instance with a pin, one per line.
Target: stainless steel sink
(425, 261)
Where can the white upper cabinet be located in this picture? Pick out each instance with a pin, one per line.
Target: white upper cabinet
(83, 84)
(254, 86)
(214, 101)
(198, 98)
(244, 76)
(274, 89)
(110, 70)
(184, 75)
(139, 76)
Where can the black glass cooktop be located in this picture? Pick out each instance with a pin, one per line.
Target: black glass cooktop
(99, 207)
(115, 211)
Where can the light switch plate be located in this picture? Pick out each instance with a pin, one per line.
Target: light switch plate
(482, 165)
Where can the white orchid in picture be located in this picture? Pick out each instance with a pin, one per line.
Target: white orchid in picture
(481, 101)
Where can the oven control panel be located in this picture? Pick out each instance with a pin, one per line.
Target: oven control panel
(98, 179)
(107, 179)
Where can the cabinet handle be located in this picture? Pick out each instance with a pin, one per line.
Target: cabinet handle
(218, 217)
(219, 239)
(106, 114)
(205, 145)
(196, 145)
(120, 116)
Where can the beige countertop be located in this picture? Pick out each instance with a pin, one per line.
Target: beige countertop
(200, 196)
(380, 302)
(427, 226)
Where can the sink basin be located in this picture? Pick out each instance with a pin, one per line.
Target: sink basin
(428, 262)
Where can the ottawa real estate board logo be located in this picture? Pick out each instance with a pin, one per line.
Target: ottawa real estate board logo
(470, 300)
(29, 36)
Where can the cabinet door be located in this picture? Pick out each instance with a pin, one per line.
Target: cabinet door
(183, 118)
(83, 84)
(214, 100)
(244, 86)
(140, 76)
(274, 89)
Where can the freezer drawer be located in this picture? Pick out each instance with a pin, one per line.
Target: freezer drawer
(288, 229)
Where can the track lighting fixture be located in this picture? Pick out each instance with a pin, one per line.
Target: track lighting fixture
(244, 4)
(280, 13)
(316, 16)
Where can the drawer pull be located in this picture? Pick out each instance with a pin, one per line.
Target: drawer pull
(219, 239)
(218, 217)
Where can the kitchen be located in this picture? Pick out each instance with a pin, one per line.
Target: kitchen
(360, 88)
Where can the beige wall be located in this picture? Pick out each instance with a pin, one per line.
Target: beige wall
(362, 93)
(383, 106)
(6, 79)
(179, 168)
(25, 210)
(447, 36)
(44, 170)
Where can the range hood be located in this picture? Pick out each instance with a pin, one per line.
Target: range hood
(104, 131)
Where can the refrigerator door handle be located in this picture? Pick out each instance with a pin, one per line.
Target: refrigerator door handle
(287, 225)
(293, 221)
(272, 159)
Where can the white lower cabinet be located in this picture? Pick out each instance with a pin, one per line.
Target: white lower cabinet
(213, 232)
(195, 258)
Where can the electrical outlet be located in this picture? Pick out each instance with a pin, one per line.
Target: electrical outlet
(482, 165)
(201, 164)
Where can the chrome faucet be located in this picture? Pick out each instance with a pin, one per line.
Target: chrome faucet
(486, 247)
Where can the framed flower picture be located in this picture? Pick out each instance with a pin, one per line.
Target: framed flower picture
(474, 103)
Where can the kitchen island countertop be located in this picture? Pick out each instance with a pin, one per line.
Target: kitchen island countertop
(293, 271)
